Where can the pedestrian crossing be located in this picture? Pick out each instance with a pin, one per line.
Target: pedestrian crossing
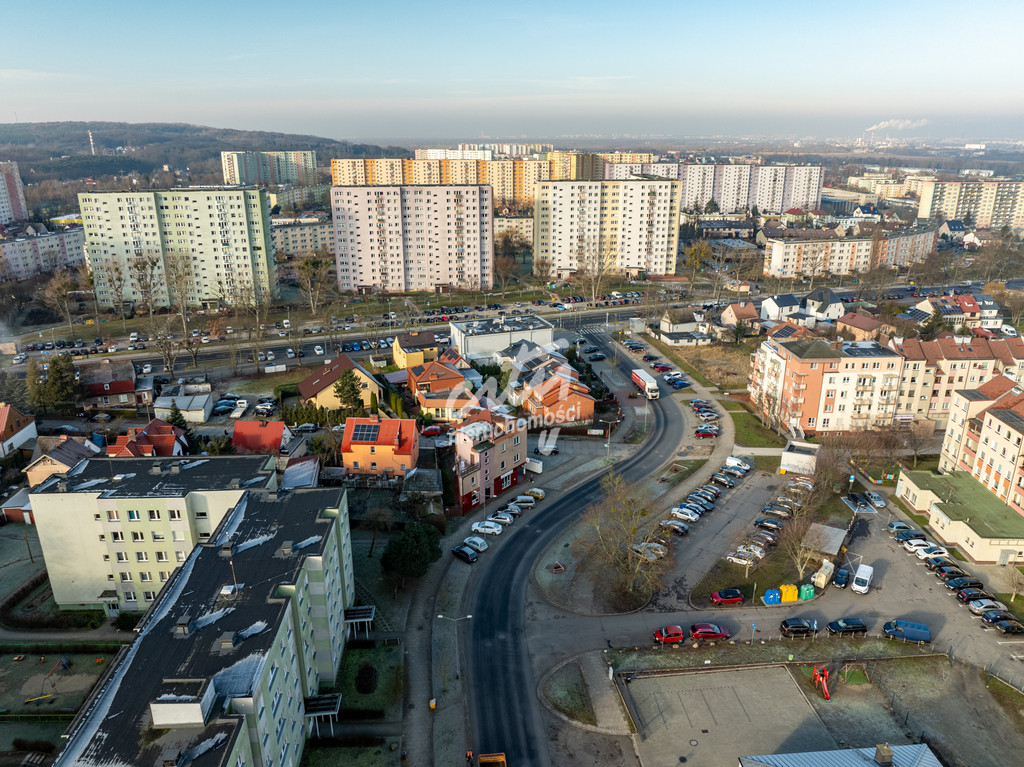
(593, 329)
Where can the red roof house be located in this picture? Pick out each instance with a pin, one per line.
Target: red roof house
(269, 437)
(157, 438)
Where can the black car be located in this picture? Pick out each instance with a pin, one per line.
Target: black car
(591, 350)
(465, 553)
(1009, 627)
(858, 500)
(597, 357)
(841, 579)
(764, 538)
(947, 573)
(768, 524)
(955, 584)
(723, 480)
(969, 595)
(847, 627)
(910, 535)
(649, 357)
(934, 563)
(797, 627)
(777, 511)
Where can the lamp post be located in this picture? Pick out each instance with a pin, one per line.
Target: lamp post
(456, 622)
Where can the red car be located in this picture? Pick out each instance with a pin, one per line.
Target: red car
(431, 431)
(727, 597)
(708, 631)
(670, 634)
(704, 433)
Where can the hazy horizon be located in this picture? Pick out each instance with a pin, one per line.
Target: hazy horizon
(573, 69)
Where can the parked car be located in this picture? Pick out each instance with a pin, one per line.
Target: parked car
(993, 617)
(847, 627)
(955, 584)
(981, 606)
(875, 499)
(934, 563)
(307, 428)
(1009, 627)
(841, 579)
(431, 431)
(966, 596)
(674, 526)
(949, 573)
(670, 635)
(723, 480)
(908, 631)
(768, 524)
(684, 513)
(727, 597)
(777, 511)
(741, 558)
(501, 517)
(318, 350)
(764, 538)
(649, 550)
(917, 544)
(897, 527)
(931, 551)
(708, 631)
(545, 450)
(591, 350)
(909, 535)
(705, 434)
(597, 357)
(465, 553)
(798, 627)
(476, 543)
(487, 528)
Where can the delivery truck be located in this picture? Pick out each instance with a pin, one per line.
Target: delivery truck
(646, 383)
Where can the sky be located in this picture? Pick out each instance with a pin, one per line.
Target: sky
(384, 69)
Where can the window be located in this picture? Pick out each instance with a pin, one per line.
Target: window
(154, 515)
(179, 556)
(200, 515)
(125, 577)
(149, 596)
(112, 515)
(174, 515)
(146, 577)
(161, 556)
(122, 556)
(177, 535)
(141, 556)
(129, 596)
(117, 536)
(133, 515)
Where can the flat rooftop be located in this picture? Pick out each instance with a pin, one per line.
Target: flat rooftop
(202, 630)
(508, 324)
(970, 502)
(162, 477)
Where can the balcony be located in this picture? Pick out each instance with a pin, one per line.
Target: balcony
(799, 387)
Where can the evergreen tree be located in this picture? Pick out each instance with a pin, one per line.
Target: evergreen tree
(62, 391)
(219, 445)
(711, 207)
(411, 552)
(177, 418)
(374, 405)
(35, 389)
(13, 391)
(346, 389)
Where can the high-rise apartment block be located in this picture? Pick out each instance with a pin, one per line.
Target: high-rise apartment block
(12, 194)
(795, 257)
(992, 204)
(772, 188)
(399, 238)
(269, 167)
(233, 663)
(635, 223)
(224, 230)
(453, 154)
(512, 181)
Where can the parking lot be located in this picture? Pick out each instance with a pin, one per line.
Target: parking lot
(710, 719)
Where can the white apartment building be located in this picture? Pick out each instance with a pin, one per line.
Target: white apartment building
(637, 222)
(772, 188)
(225, 230)
(12, 194)
(453, 154)
(794, 257)
(29, 249)
(303, 238)
(992, 204)
(297, 167)
(400, 238)
(226, 667)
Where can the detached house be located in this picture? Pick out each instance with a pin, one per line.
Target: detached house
(16, 429)
(266, 437)
(415, 348)
(157, 438)
(57, 455)
(490, 456)
(440, 389)
(110, 384)
(824, 304)
(318, 387)
(387, 447)
(743, 312)
(779, 307)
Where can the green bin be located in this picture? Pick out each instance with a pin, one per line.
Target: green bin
(807, 591)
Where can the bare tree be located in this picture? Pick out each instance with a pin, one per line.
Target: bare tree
(1016, 582)
(596, 263)
(506, 269)
(313, 274)
(795, 541)
(379, 519)
(114, 275)
(180, 275)
(542, 268)
(144, 273)
(697, 253)
(914, 440)
(622, 518)
(56, 294)
(510, 244)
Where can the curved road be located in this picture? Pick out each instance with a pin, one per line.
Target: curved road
(502, 690)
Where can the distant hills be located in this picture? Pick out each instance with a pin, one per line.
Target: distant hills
(60, 150)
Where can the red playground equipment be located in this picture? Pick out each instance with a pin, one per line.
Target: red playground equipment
(821, 680)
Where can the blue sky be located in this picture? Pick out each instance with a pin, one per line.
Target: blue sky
(388, 69)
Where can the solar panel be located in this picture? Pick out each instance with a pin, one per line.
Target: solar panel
(365, 432)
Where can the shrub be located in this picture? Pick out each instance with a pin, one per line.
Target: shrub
(42, 746)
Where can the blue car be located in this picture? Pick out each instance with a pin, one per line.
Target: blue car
(677, 384)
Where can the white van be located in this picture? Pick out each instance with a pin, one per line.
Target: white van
(286, 324)
(737, 462)
(615, 294)
(862, 579)
(1009, 331)
(133, 337)
(527, 501)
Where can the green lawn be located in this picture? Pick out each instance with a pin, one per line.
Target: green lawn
(672, 356)
(1016, 606)
(770, 573)
(264, 384)
(385, 693)
(680, 470)
(769, 464)
(325, 756)
(567, 691)
(750, 432)
(732, 407)
(920, 519)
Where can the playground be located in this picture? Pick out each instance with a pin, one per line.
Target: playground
(47, 685)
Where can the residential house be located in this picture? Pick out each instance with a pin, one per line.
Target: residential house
(490, 456)
(979, 238)
(678, 321)
(779, 307)
(823, 304)
(16, 429)
(861, 327)
(157, 438)
(558, 400)
(441, 390)
(57, 455)
(109, 384)
(952, 229)
(736, 229)
(744, 312)
(965, 311)
(415, 348)
(795, 216)
(318, 387)
(387, 447)
(789, 331)
(265, 437)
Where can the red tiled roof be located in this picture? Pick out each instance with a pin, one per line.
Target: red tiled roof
(12, 420)
(113, 387)
(398, 433)
(860, 322)
(744, 311)
(156, 438)
(328, 375)
(258, 436)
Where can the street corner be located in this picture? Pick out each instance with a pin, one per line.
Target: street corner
(581, 692)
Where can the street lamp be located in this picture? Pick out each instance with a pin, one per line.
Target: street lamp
(458, 672)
